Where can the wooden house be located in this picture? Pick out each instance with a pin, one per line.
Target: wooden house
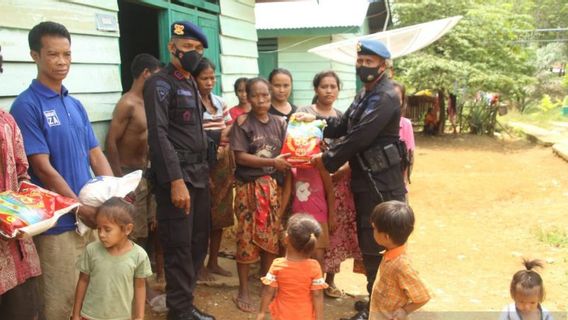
(107, 34)
(286, 30)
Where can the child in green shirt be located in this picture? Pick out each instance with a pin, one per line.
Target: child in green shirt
(113, 270)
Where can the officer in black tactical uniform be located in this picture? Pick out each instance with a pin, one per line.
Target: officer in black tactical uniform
(370, 131)
(178, 153)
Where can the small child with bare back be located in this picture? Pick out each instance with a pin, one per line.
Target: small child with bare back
(295, 279)
(527, 290)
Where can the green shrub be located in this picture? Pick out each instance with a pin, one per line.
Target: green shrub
(480, 118)
(546, 103)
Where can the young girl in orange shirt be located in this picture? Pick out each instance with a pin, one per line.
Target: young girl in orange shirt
(296, 278)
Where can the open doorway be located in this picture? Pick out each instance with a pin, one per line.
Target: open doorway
(139, 33)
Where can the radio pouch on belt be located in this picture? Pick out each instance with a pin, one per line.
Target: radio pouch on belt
(375, 159)
(392, 154)
(212, 152)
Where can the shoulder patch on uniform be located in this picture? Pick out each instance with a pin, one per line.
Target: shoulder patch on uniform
(371, 105)
(162, 83)
(178, 75)
(162, 93)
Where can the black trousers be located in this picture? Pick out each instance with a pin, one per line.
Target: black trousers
(365, 202)
(23, 302)
(185, 239)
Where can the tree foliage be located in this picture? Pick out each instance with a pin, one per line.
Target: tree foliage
(481, 53)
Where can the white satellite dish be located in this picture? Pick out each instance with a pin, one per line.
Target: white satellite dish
(400, 42)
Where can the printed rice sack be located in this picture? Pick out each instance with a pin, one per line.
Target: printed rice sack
(32, 210)
(99, 189)
(303, 141)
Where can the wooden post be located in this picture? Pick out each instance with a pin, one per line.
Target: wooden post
(442, 104)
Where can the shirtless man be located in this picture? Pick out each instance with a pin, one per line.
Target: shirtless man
(127, 140)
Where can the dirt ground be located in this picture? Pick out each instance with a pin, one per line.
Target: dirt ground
(480, 205)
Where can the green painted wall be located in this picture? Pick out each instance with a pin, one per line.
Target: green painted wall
(238, 45)
(94, 77)
(293, 55)
(95, 73)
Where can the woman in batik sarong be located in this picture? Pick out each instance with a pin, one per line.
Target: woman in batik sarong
(256, 139)
(216, 121)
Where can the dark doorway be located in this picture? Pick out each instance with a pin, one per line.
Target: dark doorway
(139, 33)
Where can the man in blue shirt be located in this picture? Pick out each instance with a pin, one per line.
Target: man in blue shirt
(61, 149)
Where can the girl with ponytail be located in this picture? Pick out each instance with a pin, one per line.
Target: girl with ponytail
(297, 279)
(527, 290)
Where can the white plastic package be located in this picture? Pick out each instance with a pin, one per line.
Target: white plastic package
(99, 189)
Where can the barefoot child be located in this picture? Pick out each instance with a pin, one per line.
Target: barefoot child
(296, 279)
(397, 290)
(256, 139)
(113, 270)
(527, 290)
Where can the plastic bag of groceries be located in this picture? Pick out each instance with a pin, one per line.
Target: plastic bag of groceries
(32, 210)
(303, 141)
(99, 189)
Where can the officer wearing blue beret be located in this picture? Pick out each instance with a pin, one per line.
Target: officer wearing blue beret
(371, 144)
(179, 168)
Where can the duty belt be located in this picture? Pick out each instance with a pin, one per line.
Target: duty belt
(379, 158)
(187, 157)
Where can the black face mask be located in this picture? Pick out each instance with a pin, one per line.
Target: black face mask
(189, 60)
(368, 74)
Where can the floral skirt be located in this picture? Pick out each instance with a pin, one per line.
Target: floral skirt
(343, 242)
(258, 226)
(222, 190)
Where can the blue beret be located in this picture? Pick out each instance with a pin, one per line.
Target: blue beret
(373, 47)
(188, 30)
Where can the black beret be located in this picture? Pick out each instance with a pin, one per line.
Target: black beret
(188, 30)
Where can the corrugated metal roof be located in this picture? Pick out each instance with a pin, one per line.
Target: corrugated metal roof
(310, 14)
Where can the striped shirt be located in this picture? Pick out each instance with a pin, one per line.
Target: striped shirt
(220, 119)
(512, 313)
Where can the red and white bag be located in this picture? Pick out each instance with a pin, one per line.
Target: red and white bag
(32, 210)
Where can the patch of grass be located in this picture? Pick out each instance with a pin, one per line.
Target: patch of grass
(540, 118)
(553, 236)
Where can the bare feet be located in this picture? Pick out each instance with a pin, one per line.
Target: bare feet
(216, 269)
(204, 276)
(244, 304)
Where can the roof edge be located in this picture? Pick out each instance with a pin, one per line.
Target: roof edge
(312, 31)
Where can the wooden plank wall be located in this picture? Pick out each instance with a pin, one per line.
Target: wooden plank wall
(239, 56)
(304, 66)
(94, 77)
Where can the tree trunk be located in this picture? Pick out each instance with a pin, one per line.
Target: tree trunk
(442, 103)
